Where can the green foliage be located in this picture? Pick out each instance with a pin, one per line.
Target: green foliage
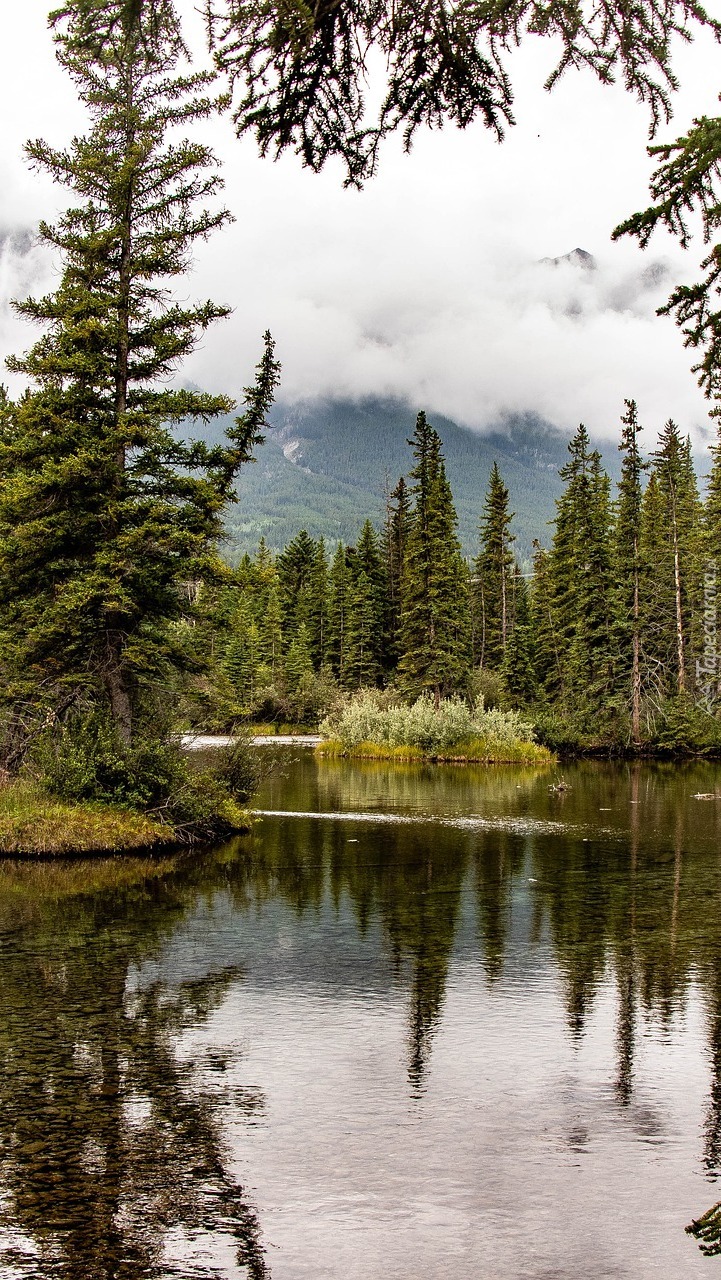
(487, 687)
(684, 186)
(707, 1230)
(628, 570)
(85, 759)
(395, 540)
(684, 727)
(591, 652)
(493, 577)
(435, 632)
(519, 664)
(369, 716)
(104, 510)
(580, 583)
(670, 547)
(301, 71)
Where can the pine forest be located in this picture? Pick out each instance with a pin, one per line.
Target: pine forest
(603, 640)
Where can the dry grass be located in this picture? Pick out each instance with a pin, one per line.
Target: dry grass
(34, 824)
(470, 751)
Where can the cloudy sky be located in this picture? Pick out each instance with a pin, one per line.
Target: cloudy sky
(428, 284)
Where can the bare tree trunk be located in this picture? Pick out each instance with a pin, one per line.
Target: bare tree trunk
(117, 689)
(636, 670)
(680, 644)
(503, 609)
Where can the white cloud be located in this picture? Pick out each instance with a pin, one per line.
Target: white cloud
(427, 284)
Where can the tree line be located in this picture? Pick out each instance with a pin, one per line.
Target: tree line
(609, 636)
(110, 518)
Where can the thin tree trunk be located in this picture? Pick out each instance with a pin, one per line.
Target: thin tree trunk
(503, 609)
(114, 677)
(636, 672)
(117, 689)
(680, 645)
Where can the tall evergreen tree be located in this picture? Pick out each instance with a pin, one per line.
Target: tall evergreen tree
(580, 578)
(103, 509)
(368, 562)
(519, 661)
(712, 570)
(627, 569)
(317, 606)
(547, 656)
(493, 577)
(296, 566)
(395, 538)
(339, 607)
(435, 633)
(362, 663)
(671, 545)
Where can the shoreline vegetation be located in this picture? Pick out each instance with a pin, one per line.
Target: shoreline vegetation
(475, 751)
(372, 725)
(35, 825)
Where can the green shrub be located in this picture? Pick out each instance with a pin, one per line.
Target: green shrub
(487, 687)
(687, 727)
(85, 760)
(366, 718)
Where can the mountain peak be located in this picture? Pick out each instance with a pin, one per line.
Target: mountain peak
(577, 258)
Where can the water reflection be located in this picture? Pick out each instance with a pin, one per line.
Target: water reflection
(347, 1014)
(111, 1152)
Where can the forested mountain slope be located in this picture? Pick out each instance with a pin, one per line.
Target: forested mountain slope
(325, 467)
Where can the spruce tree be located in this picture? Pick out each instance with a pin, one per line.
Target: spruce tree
(339, 606)
(712, 569)
(591, 659)
(298, 662)
(580, 579)
(265, 603)
(368, 561)
(362, 663)
(318, 606)
(395, 538)
(435, 631)
(627, 569)
(519, 661)
(671, 547)
(547, 655)
(493, 577)
(296, 565)
(104, 509)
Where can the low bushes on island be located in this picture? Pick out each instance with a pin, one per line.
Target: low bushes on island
(372, 725)
(81, 789)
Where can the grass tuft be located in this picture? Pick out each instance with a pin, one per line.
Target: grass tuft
(35, 824)
(468, 751)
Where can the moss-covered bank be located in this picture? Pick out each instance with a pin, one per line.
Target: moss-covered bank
(36, 824)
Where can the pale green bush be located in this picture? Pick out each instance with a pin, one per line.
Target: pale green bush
(367, 717)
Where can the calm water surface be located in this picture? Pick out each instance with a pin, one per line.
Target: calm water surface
(423, 1023)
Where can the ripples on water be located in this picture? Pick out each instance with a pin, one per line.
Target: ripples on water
(423, 1023)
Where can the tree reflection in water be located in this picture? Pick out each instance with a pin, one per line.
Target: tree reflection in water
(111, 1146)
(111, 1158)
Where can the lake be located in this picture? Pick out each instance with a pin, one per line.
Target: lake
(424, 1022)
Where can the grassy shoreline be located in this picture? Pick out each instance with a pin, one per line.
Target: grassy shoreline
(34, 824)
(471, 751)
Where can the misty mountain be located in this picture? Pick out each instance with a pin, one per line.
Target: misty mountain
(576, 258)
(326, 466)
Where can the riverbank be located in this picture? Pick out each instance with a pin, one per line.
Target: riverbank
(473, 751)
(34, 824)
